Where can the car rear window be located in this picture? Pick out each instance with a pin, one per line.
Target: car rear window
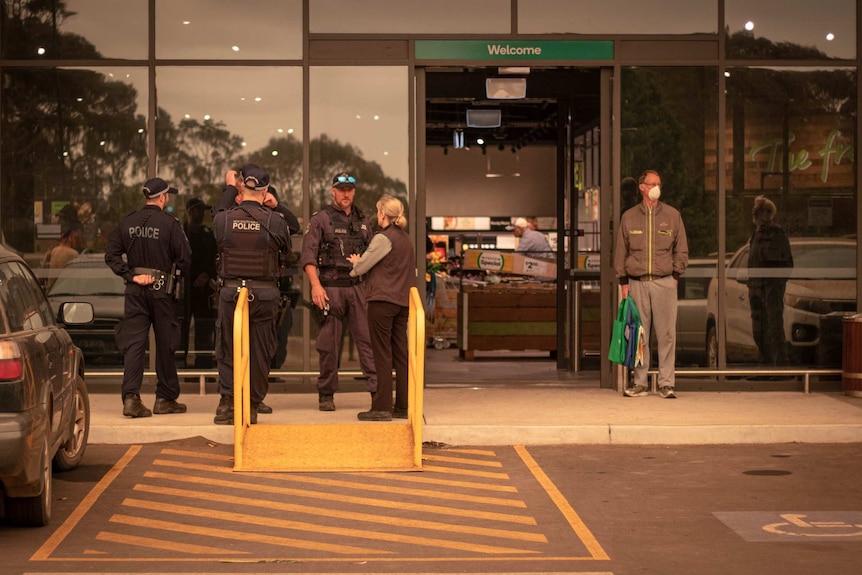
(23, 302)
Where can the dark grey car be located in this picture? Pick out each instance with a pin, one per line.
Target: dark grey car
(44, 405)
(87, 278)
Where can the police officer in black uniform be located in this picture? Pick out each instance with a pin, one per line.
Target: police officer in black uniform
(253, 244)
(334, 233)
(157, 255)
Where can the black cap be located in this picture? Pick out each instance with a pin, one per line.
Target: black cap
(156, 187)
(343, 180)
(254, 178)
(196, 203)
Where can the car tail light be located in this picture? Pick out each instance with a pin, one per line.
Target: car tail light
(11, 364)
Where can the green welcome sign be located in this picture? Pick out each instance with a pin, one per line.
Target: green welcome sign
(514, 50)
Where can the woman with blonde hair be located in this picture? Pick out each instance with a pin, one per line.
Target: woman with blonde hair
(390, 265)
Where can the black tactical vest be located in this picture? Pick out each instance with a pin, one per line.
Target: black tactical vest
(248, 249)
(343, 235)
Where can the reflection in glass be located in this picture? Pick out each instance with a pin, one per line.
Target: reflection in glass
(212, 119)
(668, 124)
(617, 17)
(215, 119)
(802, 30)
(75, 29)
(359, 124)
(229, 29)
(410, 17)
(74, 152)
(790, 139)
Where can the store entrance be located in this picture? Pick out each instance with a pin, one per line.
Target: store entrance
(503, 145)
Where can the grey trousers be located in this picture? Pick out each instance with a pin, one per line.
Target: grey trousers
(656, 301)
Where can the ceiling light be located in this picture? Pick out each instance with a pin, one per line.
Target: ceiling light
(506, 88)
(480, 141)
(458, 139)
(235, 48)
(484, 118)
(519, 70)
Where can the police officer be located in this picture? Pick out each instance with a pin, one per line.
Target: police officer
(334, 233)
(157, 255)
(253, 244)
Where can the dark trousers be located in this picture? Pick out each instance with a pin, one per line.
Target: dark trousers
(387, 323)
(347, 303)
(198, 307)
(145, 307)
(766, 298)
(262, 311)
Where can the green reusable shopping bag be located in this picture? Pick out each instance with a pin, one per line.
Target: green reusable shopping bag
(617, 351)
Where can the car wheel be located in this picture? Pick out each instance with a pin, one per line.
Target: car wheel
(33, 511)
(712, 348)
(71, 453)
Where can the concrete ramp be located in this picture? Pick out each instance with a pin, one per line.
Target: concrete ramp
(373, 446)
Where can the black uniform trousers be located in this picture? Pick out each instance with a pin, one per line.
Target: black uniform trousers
(262, 312)
(145, 307)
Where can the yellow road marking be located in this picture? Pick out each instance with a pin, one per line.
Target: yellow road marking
(492, 516)
(229, 534)
(86, 504)
(309, 510)
(462, 460)
(164, 545)
(354, 486)
(471, 451)
(421, 478)
(467, 472)
(578, 526)
(270, 522)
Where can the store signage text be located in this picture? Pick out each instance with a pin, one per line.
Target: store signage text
(514, 50)
(834, 150)
(490, 261)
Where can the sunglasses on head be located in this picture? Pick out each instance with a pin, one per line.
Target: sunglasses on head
(345, 180)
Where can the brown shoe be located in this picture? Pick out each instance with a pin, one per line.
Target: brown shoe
(264, 408)
(133, 407)
(374, 416)
(325, 402)
(164, 406)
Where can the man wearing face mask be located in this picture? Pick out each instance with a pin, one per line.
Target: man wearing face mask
(651, 253)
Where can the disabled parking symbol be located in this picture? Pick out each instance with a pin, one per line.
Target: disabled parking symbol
(795, 524)
(787, 526)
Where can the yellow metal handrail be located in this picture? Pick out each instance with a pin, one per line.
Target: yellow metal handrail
(416, 371)
(241, 376)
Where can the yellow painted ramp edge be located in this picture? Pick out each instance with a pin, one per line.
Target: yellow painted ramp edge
(380, 446)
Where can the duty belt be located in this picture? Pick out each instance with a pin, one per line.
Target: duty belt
(341, 283)
(241, 283)
(148, 272)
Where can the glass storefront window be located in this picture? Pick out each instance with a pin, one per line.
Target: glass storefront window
(74, 151)
(791, 215)
(617, 17)
(359, 123)
(229, 29)
(410, 17)
(74, 30)
(802, 30)
(215, 119)
(668, 124)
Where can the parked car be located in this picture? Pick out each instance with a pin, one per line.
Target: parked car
(692, 288)
(87, 278)
(44, 405)
(820, 291)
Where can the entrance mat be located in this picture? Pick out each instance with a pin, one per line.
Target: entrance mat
(379, 446)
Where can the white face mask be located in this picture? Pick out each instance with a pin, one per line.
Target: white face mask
(654, 193)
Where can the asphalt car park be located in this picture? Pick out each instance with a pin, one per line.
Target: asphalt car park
(177, 507)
